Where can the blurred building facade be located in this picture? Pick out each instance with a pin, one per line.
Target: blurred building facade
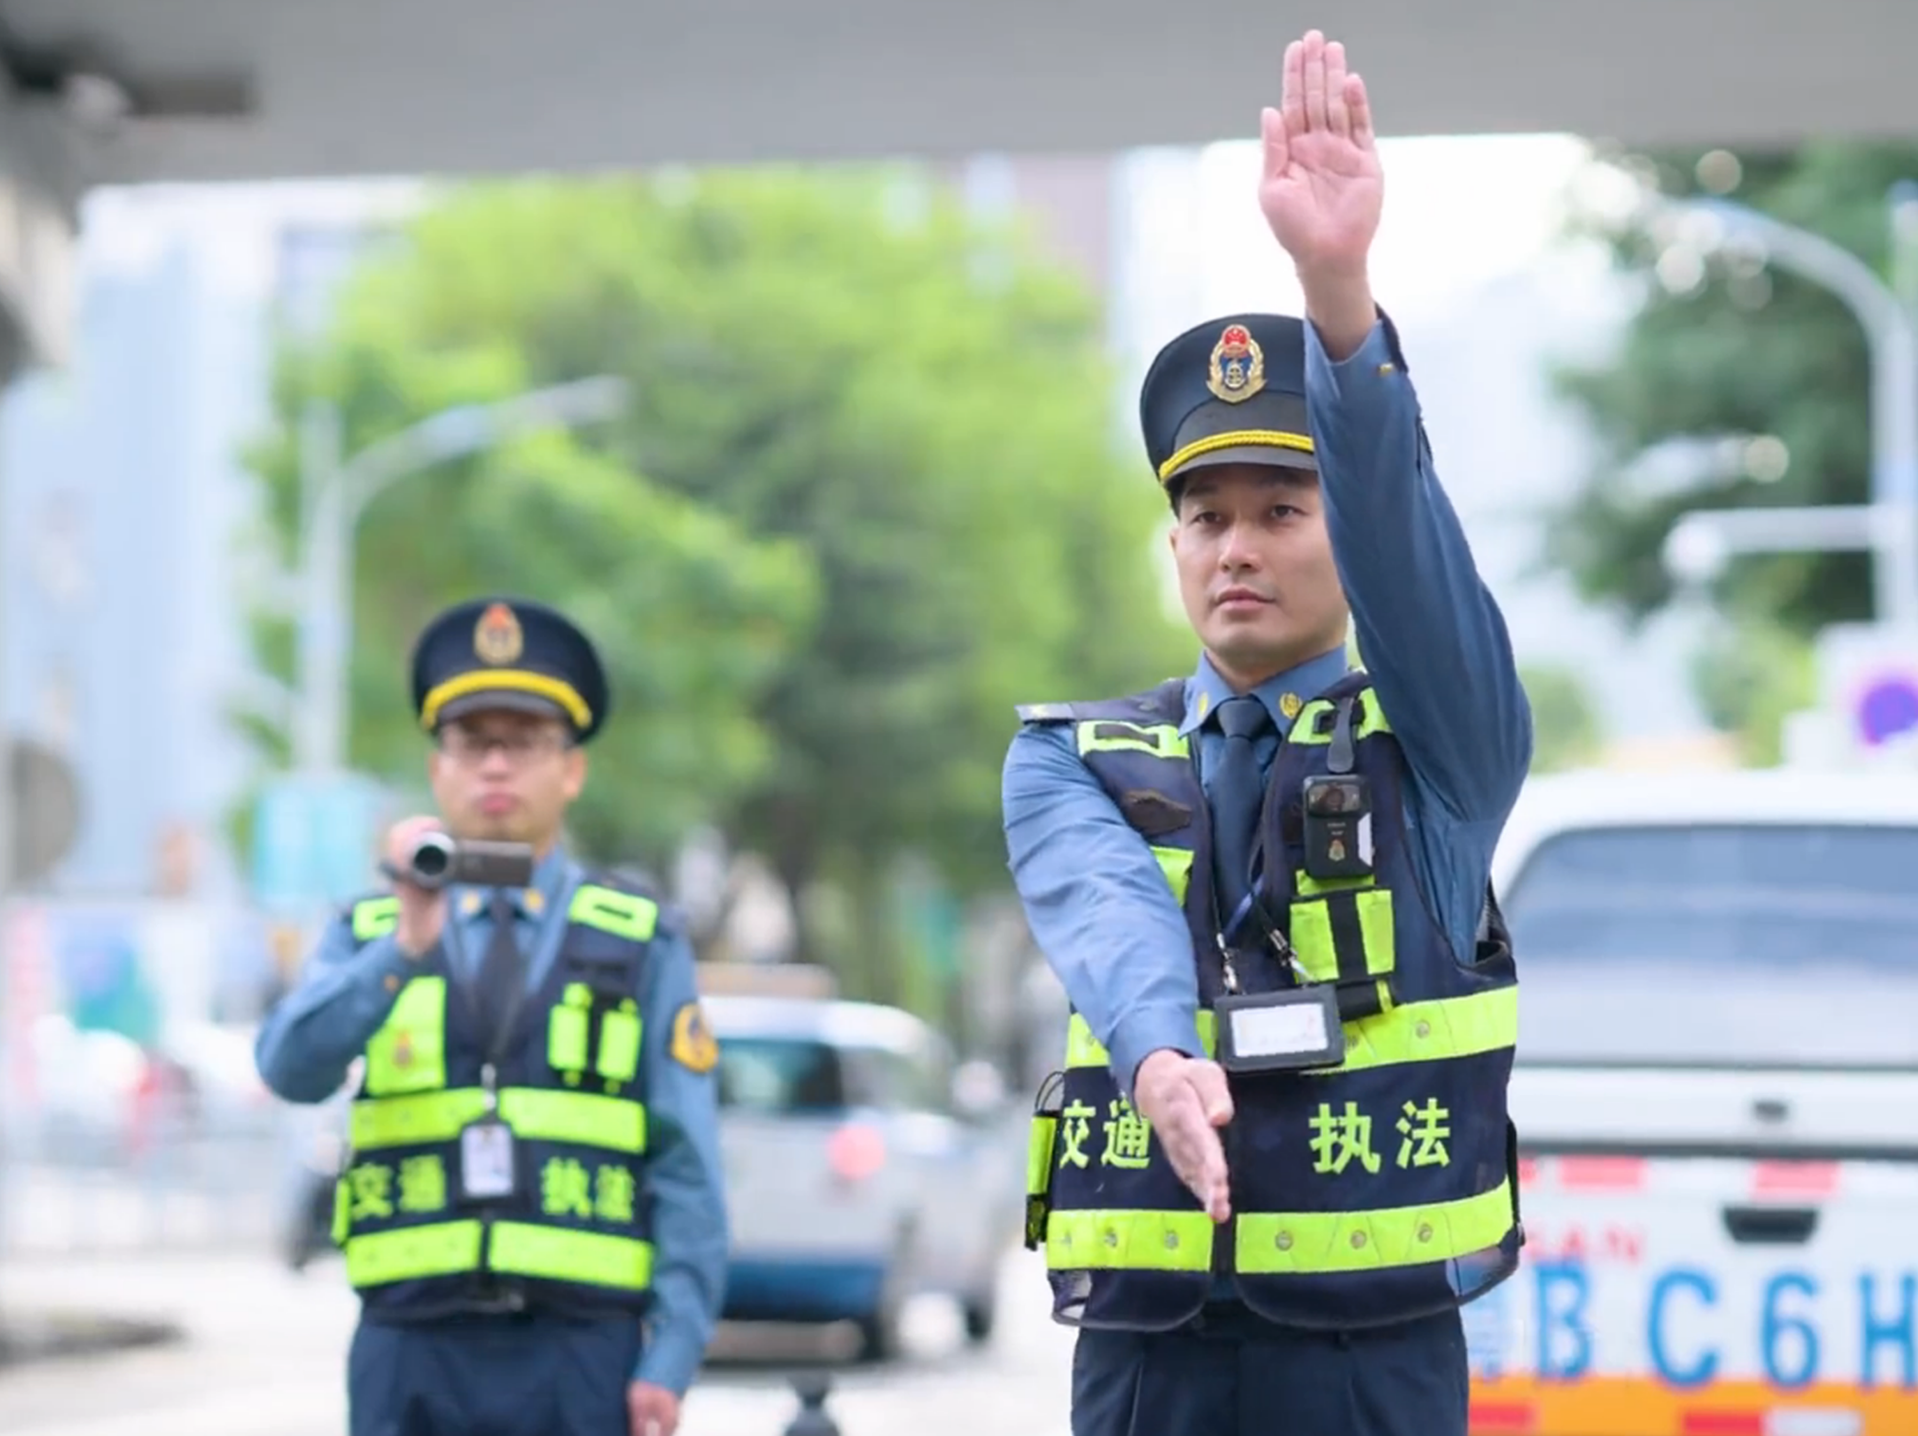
(124, 505)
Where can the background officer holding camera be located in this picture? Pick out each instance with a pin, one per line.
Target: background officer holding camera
(532, 1210)
(1277, 1158)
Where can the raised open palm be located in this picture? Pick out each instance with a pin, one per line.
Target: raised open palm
(1322, 188)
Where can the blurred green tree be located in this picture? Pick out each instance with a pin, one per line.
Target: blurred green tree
(1767, 369)
(867, 496)
(1566, 729)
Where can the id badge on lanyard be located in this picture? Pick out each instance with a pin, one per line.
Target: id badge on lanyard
(1294, 1029)
(489, 1169)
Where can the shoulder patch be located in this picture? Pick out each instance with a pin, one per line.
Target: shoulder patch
(694, 1046)
(1045, 713)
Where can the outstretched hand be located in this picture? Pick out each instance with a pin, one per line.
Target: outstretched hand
(1186, 1100)
(1322, 188)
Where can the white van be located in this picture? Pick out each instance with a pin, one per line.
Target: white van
(1717, 1104)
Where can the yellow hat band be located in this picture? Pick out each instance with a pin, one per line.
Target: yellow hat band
(516, 679)
(1269, 438)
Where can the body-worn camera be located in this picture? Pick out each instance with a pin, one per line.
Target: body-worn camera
(438, 861)
(1337, 822)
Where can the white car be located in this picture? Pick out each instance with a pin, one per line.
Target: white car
(1716, 1097)
(862, 1167)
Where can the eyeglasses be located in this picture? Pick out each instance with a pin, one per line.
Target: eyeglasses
(465, 747)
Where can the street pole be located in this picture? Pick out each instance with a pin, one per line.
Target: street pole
(334, 495)
(326, 540)
(1893, 344)
(1903, 200)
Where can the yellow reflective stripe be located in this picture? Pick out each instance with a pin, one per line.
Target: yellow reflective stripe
(585, 1118)
(414, 1120)
(619, 1032)
(1311, 931)
(534, 1113)
(1112, 735)
(1413, 1032)
(375, 917)
(408, 1053)
(624, 915)
(1280, 1243)
(566, 1029)
(1431, 1032)
(1085, 1050)
(516, 1249)
(1274, 1243)
(557, 1254)
(1129, 1241)
(1040, 1138)
(1310, 886)
(1368, 718)
(1176, 864)
(413, 1253)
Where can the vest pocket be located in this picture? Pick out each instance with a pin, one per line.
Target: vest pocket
(1347, 935)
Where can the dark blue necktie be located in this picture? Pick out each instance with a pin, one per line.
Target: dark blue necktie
(502, 969)
(1235, 793)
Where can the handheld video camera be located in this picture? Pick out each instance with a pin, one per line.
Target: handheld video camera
(438, 861)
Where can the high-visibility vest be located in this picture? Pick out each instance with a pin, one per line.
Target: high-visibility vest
(573, 1236)
(1373, 1192)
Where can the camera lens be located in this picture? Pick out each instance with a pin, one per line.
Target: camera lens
(431, 857)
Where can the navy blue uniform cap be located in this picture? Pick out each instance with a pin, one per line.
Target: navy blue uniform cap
(515, 654)
(1228, 391)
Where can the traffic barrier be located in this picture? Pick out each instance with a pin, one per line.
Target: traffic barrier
(813, 1419)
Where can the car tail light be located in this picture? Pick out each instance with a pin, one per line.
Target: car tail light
(856, 1152)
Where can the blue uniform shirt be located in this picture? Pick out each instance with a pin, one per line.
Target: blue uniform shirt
(1436, 645)
(312, 1036)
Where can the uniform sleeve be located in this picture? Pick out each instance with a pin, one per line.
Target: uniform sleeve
(1429, 631)
(1098, 904)
(686, 1183)
(313, 1034)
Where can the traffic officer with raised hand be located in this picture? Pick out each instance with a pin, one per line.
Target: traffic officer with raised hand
(1277, 1159)
(532, 1211)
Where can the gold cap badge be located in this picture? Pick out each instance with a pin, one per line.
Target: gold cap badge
(1238, 365)
(497, 637)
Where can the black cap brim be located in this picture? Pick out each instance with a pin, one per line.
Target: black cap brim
(1269, 454)
(1242, 431)
(498, 700)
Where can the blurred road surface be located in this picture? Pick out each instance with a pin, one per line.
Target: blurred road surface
(47, 1212)
(266, 1352)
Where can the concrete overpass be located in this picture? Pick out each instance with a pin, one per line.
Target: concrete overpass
(223, 89)
(127, 90)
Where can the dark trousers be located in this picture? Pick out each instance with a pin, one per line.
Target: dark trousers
(1232, 1375)
(535, 1375)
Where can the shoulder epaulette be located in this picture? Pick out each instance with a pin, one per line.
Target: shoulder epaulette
(374, 915)
(1163, 703)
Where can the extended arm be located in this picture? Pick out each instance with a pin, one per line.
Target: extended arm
(686, 1182)
(1098, 904)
